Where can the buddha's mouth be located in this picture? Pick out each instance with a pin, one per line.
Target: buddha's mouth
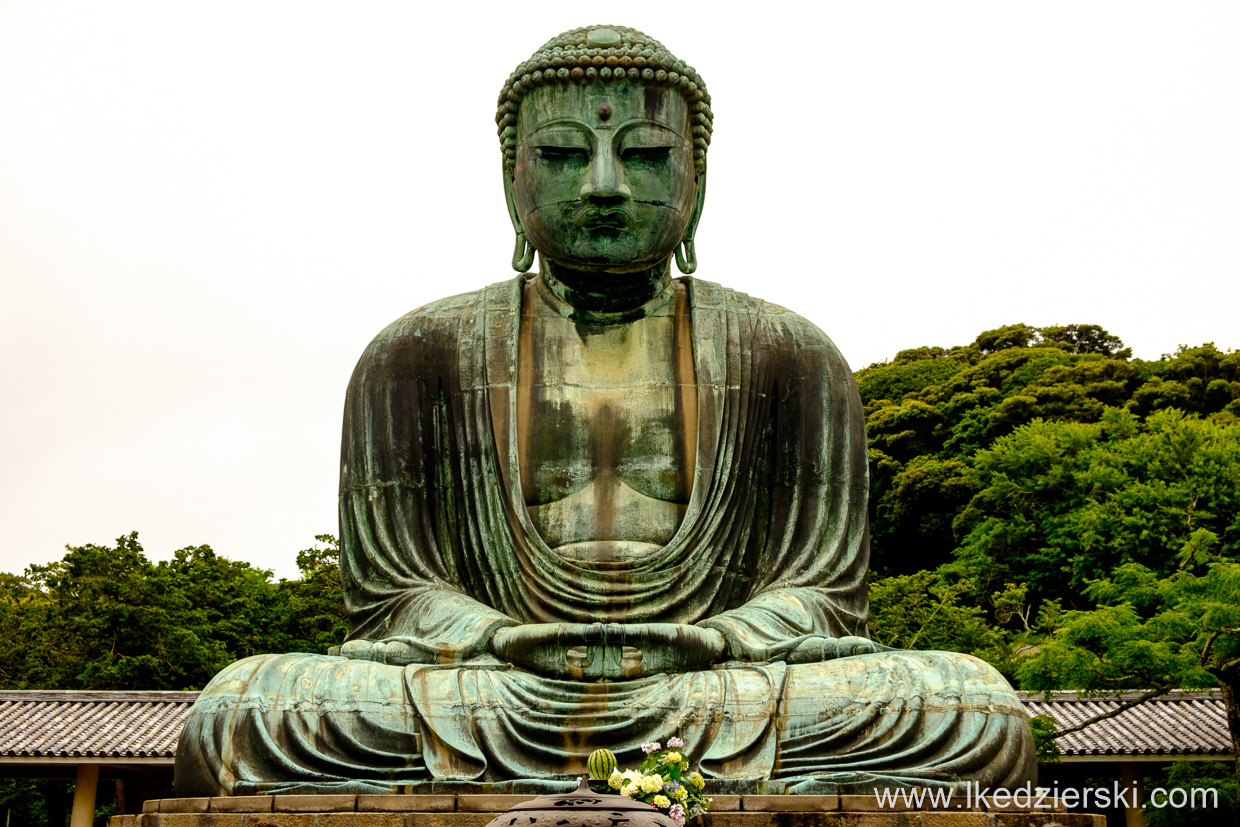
(605, 218)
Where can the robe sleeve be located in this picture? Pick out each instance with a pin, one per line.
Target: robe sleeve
(399, 486)
(811, 578)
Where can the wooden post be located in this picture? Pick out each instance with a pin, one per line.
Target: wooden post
(1130, 773)
(143, 789)
(84, 796)
(56, 793)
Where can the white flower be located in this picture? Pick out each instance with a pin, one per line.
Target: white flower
(651, 747)
(675, 742)
(615, 780)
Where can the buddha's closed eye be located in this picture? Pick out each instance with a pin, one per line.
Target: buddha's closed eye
(563, 155)
(645, 156)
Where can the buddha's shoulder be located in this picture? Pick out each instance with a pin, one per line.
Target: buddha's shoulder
(447, 314)
(775, 328)
(432, 333)
(447, 317)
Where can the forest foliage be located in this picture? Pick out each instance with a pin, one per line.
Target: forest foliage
(1070, 514)
(106, 617)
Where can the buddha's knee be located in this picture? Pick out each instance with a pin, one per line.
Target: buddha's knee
(267, 702)
(893, 705)
(945, 671)
(899, 677)
(223, 716)
(297, 677)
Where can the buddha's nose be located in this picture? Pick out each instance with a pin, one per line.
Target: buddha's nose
(606, 178)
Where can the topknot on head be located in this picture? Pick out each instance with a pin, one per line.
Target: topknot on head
(603, 53)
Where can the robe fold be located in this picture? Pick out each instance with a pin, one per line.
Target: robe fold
(438, 551)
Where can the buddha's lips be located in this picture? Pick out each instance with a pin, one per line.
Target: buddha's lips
(598, 218)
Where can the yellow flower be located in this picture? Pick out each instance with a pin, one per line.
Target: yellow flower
(696, 779)
(684, 766)
(661, 801)
(673, 758)
(680, 794)
(651, 783)
(615, 780)
(628, 790)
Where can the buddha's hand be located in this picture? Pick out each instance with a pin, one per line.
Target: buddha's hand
(399, 651)
(675, 647)
(814, 648)
(597, 651)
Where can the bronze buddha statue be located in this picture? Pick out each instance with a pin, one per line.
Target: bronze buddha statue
(596, 506)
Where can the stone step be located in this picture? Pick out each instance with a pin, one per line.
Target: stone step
(473, 811)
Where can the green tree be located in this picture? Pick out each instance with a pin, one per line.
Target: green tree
(1152, 632)
(1042, 468)
(923, 611)
(1201, 380)
(1009, 336)
(231, 605)
(1085, 338)
(23, 619)
(1061, 504)
(913, 517)
(315, 618)
(1196, 775)
(112, 622)
(23, 801)
(106, 617)
(947, 404)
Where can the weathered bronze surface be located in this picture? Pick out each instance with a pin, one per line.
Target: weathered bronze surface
(598, 506)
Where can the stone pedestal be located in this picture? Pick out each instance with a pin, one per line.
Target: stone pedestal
(449, 810)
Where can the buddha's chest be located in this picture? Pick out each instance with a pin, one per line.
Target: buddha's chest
(607, 428)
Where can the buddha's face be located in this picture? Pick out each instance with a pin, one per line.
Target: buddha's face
(604, 175)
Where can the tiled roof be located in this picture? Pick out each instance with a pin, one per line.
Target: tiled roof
(69, 724)
(1178, 723)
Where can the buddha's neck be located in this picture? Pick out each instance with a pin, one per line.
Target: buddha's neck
(608, 298)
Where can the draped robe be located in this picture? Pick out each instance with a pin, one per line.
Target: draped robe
(439, 551)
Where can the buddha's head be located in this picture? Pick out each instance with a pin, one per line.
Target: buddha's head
(604, 135)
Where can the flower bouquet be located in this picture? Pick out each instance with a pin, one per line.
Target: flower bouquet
(663, 780)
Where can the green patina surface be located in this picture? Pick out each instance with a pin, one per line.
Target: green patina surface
(596, 506)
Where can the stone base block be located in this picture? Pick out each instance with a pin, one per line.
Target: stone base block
(782, 818)
(446, 810)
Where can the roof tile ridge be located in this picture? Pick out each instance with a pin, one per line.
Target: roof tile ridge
(115, 696)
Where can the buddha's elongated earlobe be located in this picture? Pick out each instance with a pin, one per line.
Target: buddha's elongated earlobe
(523, 255)
(686, 262)
(686, 254)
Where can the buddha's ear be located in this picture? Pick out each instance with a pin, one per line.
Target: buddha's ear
(523, 254)
(686, 253)
(698, 201)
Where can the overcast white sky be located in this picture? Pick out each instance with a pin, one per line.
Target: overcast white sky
(208, 209)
